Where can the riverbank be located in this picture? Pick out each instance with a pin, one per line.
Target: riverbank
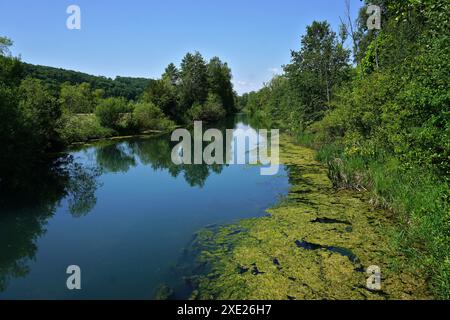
(315, 244)
(142, 135)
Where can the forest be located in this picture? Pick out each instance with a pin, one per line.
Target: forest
(379, 116)
(129, 88)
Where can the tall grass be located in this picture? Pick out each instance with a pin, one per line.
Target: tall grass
(419, 199)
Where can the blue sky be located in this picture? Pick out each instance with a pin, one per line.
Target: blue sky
(141, 37)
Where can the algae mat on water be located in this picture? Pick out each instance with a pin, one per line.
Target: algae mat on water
(315, 244)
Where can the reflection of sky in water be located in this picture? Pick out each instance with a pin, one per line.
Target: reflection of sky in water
(241, 147)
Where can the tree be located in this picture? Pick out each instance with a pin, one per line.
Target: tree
(171, 74)
(10, 77)
(219, 82)
(5, 43)
(78, 98)
(39, 112)
(163, 94)
(321, 64)
(149, 117)
(194, 81)
(112, 111)
(211, 110)
(10, 126)
(54, 78)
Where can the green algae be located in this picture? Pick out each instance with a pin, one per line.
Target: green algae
(163, 292)
(315, 244)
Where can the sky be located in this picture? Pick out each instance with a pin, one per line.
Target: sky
(139, 38)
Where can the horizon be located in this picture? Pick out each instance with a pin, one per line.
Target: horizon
(255, 44)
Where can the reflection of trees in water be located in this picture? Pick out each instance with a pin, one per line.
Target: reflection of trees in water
(28, 199)
(27, 204)
(155, 153)
(115, 158)
(81, 189)
(18, 233)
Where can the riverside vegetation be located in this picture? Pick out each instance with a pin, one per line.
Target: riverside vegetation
(315, 244)
(44, 109)
(381, 124)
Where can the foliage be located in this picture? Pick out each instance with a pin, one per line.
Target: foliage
(77, 98)
(198, 90)
(39, 114)
(219, 83)
(212, 110)
(129, 88)
(304, 92)
(382, 125)
(163, 93)
(5, 43)
(112, 113)
(149, 117)
(10, 127)
(194, 81)
(82, 128)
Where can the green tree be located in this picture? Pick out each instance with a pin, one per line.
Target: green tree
(171, 74)
(10, 125)
(5, 43)
(40, 113)
(163, 93)
(149, 117)
(219, 83)
(194, 81)
(211, 110)
(78, 98)
(321, 64)
(112, 112)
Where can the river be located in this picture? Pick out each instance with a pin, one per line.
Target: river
(123, 213)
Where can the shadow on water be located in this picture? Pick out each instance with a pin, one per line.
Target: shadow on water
(330, 221)
(27, 204)
(339, 250)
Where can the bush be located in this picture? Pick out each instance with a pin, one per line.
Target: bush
(77, 98)
(148, 116)
(82, 128)
(111, 113)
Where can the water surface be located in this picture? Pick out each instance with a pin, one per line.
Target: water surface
(123, 212)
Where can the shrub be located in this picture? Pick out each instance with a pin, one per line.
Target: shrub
(82, 128)
(77, 98)
(111, 111)
(148, 116)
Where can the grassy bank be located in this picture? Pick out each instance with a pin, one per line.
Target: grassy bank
(315, 244)
(83, 128)
(381, 121)
(417, 198)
